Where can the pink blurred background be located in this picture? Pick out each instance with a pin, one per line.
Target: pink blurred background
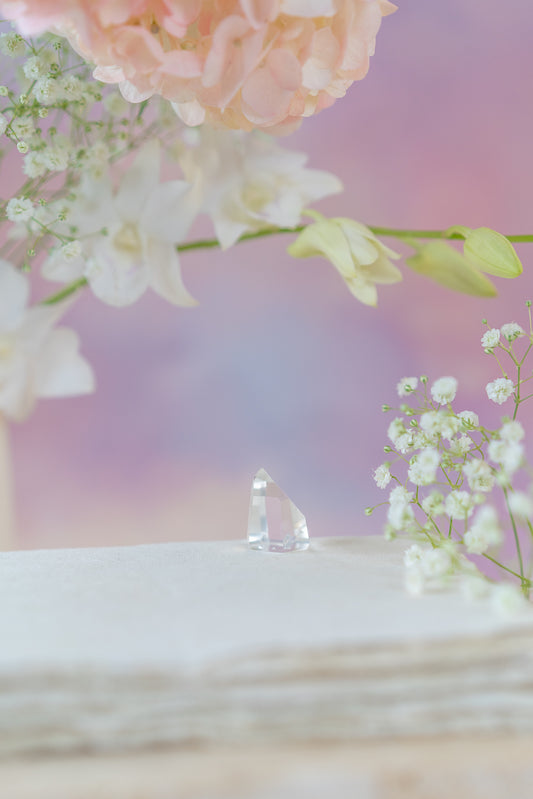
(280, 367)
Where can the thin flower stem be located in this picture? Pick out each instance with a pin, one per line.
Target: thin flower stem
(505, 568)
(66, 292)
(516, 537)
(517, 396)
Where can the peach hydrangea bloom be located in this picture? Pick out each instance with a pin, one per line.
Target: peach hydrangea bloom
(234, 63)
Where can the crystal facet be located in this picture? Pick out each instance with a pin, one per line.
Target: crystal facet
(275, 523)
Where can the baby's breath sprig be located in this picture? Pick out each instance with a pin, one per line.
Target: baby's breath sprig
(466, 488)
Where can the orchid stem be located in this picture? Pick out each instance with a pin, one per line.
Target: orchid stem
(210, 244)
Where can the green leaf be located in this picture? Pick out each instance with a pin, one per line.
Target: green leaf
(442, 263)
(492, 253)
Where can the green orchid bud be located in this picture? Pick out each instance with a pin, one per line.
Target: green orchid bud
(442, 263)
(491, 252)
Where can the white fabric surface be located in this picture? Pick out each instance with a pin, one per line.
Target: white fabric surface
(212, 641)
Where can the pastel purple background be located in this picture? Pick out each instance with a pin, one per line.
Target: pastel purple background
(280, 367)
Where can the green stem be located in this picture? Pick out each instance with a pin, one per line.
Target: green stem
(210, 244)
(516, 538)
(72, 288)
(505, 568)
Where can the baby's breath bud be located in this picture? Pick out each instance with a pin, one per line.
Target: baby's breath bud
(43, 113)
(413, 422)
(369, 511)
(385, 408)
(30, 253)
(22, 147)
(4, 91)
(404, 408)
(25, 267)
(528, 303)
(23, 99)
(386, 448)
(484, 322)
(424, 379)
(489, 351)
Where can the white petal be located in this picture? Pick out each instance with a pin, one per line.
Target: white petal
(139, 182)
(14, 294)
(61, 371)
(227, 230)
(58, 269)
(191, 113)
(169, 211)
(16, 397)
(165, 274)
(115, 278)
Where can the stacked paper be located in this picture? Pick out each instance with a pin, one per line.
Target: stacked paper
(213, 642)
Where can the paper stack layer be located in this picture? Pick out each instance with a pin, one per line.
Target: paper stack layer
(213, 642)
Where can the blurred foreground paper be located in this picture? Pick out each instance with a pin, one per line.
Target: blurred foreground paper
(214, 642)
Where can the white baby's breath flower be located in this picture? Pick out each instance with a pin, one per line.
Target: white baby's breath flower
(521, 504)
(400, 495)
(23, 127)
(508, 454)
(12, 44)
(461, 446)
(440, 423)
(406, 386)
(423, 467)
(400, 517)
(459, 504)
(436, 563)
(71, 88)
(490, 339)
(47, 91)
(36, 67)
(34, 165)
(469, 419)
(118, 107)
(382, 475)
(56, 157)
(402, 438)
(484, 532)
(500, 390)
(72, 250)
(444, 390)
(512, 431)
(479, 475)
(19, 209)
(433, 504)
(413, 556)
(511, 330)
(507, 599)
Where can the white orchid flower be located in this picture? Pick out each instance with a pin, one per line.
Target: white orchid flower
(143, 220)
(37, 359)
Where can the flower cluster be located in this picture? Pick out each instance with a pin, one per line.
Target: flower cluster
(467, 488)
(111, 188)
(237, 63)
(94, 209)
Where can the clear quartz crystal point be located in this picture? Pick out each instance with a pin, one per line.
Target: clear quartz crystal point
(275, 524)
